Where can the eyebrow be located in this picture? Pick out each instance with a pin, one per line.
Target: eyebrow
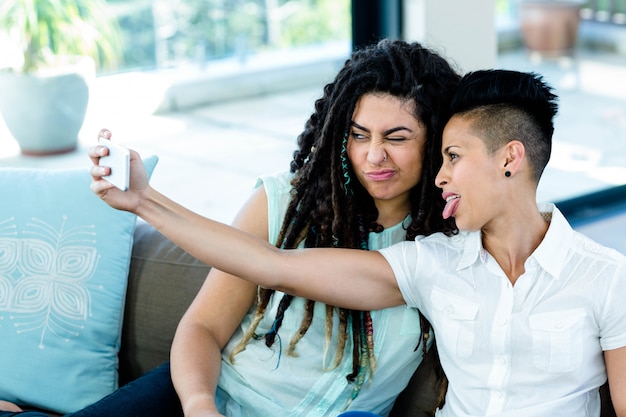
(386, 132)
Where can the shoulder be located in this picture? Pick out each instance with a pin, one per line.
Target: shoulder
(440, 240)
(279, 182)
(585, 247)
(589, 262)
(436, 241)
(278, 194)
(430, 251)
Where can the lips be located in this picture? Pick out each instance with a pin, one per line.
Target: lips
(452, 203)
(380, 175)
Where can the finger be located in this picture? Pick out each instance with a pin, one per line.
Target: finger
(105, 133)
(97, 171)
(96, 152)
(100, 187)
(134, 155)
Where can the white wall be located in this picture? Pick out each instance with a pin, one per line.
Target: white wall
(464, 31)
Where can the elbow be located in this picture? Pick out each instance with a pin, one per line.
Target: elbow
(287, 289)
(276, 272)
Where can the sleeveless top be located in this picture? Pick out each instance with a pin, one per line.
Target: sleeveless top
(266, 381)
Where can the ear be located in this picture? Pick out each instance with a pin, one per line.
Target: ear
(514, 153)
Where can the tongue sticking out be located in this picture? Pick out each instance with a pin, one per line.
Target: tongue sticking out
(450, 208)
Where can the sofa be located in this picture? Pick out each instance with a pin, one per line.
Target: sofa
(163, 279)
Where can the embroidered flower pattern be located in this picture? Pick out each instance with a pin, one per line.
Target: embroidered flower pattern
(44, 275)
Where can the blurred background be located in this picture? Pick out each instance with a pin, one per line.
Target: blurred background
(220, 89)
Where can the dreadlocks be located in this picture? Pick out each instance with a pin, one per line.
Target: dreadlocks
(329, 208)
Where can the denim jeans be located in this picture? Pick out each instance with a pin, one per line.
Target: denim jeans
(151, 395)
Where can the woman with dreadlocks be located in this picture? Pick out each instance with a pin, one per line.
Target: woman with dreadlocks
(362, 177)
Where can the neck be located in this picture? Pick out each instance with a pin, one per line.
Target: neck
(392, 213)
(513, 241)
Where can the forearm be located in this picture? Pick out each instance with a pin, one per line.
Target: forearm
(196, 363)
(213, 243)
(619, 402)
(355, 279)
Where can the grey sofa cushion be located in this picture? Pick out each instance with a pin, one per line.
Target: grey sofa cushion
(162, 282)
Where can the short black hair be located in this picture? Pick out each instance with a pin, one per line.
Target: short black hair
(506, 105)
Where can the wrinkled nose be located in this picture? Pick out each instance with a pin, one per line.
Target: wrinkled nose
(376, 154)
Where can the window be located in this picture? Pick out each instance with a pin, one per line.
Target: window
(173, 33)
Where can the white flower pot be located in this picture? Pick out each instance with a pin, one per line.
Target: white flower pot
(44, 111)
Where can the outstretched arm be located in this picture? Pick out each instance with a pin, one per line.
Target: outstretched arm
(350, 278)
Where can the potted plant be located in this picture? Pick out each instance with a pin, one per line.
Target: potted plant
(44, 89)
(550, 27)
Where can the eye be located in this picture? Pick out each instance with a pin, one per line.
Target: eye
(452, 156)
(358, 136)
(396, 139)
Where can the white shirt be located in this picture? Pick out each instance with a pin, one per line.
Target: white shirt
(533, 349)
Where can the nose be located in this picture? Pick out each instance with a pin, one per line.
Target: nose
(376, 153)
(442, 177)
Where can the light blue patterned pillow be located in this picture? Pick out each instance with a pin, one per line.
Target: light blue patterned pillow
(64, 261)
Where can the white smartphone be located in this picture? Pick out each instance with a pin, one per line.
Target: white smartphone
(119, 162)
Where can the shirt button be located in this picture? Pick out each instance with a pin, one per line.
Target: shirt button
(449, 309)
(502, 361)
(558, 325)
(498, 395)
(502, 321)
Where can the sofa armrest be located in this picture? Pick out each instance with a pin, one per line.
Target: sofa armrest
(162, 281)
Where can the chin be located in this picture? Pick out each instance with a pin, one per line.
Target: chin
(459, 225)
(464, 226)
(382, 194)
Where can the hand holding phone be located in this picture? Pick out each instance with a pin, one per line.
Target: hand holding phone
(119, 162)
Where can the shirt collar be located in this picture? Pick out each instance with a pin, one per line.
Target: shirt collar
(550, 254)
(472, 249)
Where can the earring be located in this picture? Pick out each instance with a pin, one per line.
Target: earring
(507, 174)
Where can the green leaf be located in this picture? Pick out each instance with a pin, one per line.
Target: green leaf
(45, 29)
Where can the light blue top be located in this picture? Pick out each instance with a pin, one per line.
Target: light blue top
(264, 382)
